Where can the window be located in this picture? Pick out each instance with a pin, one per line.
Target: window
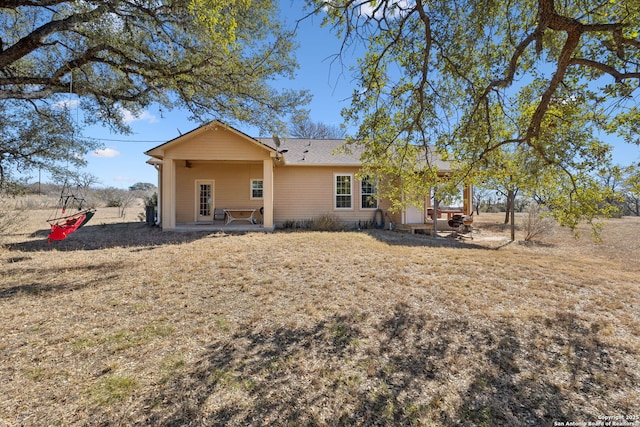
(368, 191)
(343, 191)
(256, 188)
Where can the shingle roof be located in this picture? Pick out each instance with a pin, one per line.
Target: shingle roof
(298, 151)
(324, 152)
(319, 152)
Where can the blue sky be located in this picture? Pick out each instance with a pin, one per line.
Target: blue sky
(121, 162)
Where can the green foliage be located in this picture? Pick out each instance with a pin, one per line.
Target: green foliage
(631, 189)
(41, 139)
(142, 186)
(574, 198)
(151, 200)
(512, 91)
(221, 18)
(214, 59)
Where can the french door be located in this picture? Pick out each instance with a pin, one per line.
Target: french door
(204, 200)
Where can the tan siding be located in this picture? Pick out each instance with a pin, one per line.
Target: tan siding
(219, 145)
(185, 192)
(307, 192)
(395, 217)
(300, 193)
(234, 190)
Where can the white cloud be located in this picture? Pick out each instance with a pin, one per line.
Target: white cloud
(129, 117)
(105, 153)
(124, 179)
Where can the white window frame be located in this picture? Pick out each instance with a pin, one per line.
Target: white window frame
(362, 193)
(335, 191)
(251, 188)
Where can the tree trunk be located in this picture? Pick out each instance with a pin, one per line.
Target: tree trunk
(434, 216)
(509, 205)
(510, 214)
(513, 222)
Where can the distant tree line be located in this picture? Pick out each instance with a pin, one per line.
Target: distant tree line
(94, 196)
(620, 183)
(305, 128)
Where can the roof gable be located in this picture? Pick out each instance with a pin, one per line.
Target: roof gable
(200, 143)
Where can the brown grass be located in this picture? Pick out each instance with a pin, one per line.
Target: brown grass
(122, 324)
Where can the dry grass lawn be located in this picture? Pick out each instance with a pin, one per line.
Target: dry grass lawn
(122, 324)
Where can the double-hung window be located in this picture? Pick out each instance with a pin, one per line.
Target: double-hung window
(257, 189)
(343, 191)
(368, 193)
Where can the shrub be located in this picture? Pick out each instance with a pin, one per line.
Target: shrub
(293, 224)
(112, 197)
(10, 219)
(326, 222)
(537, 223)
(151, 200)
(36, 202)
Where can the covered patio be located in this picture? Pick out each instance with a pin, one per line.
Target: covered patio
(211, 168)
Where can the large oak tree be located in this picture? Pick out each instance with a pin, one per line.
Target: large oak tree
(214, 59)
(474, 77)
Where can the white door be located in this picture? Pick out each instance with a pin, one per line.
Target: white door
(204, 200)
(414, 215)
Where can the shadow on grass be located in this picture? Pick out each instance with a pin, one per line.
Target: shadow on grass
(411, 369)
(422, 240)
(140, 237)
(103, 272)
(105, 236)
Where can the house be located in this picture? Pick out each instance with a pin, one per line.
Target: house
(216, 167)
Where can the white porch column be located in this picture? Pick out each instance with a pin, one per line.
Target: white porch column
(160, 198)
(168, 197)
(267, 193)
